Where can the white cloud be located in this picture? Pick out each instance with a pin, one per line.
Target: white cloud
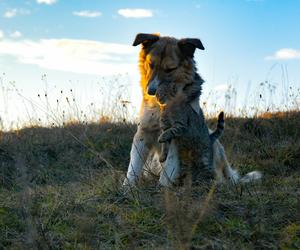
(10, 13)
(48, 2)
(78, 56)
(1, 34)
(15, 34)
(284, 54)
(135, 13)
(87, 13)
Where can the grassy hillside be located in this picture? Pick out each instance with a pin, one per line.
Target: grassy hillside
(60, 189)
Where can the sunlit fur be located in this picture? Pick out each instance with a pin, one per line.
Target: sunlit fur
(173, 58)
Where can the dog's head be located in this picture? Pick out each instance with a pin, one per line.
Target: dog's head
(166, 59)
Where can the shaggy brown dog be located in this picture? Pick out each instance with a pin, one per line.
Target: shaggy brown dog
(166, 59)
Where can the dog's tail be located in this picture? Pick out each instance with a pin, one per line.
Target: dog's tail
(235, 178)
(219, 130)
(232, 174)
(251, 176)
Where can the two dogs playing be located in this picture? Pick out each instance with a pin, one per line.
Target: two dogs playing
(172, 124)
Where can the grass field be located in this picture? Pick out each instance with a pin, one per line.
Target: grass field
(60, 189)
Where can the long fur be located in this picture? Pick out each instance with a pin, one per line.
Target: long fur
(157, 56)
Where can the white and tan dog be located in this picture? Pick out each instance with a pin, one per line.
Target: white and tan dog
(161, 59)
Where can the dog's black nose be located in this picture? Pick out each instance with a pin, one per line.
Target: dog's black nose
(151, 90)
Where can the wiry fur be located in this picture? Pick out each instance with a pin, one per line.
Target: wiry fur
(175, 100)
(190, 133)
(179, 121)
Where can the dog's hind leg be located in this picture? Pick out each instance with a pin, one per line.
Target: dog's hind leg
(222, 166)
(138, 156)
(171, 168)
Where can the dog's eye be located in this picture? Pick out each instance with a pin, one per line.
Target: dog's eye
(169, 70)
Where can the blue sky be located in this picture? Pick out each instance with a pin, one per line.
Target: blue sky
(77, 42)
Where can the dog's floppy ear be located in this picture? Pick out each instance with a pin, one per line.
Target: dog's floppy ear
(189, 45)
(145, 39)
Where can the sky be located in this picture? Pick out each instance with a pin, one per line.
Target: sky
(55, 45)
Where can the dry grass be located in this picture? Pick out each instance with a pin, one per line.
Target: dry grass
(60, 177)
(60, 189)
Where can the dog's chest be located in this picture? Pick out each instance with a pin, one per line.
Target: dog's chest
(149, 119)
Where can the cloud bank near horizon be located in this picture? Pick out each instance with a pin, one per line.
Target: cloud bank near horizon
(70, 55)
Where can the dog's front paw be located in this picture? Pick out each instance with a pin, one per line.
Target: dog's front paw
(164, 137)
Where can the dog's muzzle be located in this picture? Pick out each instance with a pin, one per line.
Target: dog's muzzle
(152, 86)
(151, 90)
